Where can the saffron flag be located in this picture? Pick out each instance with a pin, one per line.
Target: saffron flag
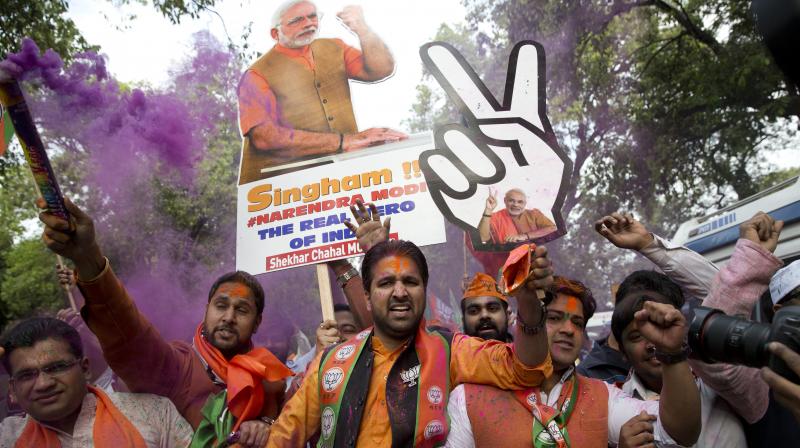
(7, 130)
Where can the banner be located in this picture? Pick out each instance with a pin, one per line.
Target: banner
(502, 176)
(296, 219)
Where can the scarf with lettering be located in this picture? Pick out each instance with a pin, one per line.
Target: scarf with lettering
(550, 424)
(111, 428)
(430, 379)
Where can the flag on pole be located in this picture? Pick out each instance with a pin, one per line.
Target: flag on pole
(7, 130)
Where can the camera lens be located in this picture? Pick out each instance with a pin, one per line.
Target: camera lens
(715, 337)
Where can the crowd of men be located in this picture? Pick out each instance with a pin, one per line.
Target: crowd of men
(379, 375)
(402, 381)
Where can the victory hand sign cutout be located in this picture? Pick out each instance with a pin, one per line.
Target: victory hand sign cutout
(509, 147)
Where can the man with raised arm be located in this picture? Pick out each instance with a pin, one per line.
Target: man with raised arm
(389, 385)
(569, 409)
(220, 383)
(734, 289)
(294, 101)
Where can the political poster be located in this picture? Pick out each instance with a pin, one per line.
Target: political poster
(296, 219)
(501, 177)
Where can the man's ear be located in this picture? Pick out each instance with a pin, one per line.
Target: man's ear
(369, 302)
(274, 33)
(87, 373)
(258, 322)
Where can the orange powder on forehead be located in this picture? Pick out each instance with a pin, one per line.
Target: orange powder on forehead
(396, 264)
(234, 289)
(572, 305)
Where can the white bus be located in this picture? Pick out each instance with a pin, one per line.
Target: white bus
(715, 234)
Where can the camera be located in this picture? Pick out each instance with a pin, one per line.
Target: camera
(717, 337)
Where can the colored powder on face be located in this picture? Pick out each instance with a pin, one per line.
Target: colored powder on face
(397, 264)
(572, 305)
(233, 290)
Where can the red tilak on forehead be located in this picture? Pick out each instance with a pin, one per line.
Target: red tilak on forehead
(572, 305)
(234, 289)
(397, 264)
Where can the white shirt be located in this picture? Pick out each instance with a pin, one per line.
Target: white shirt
(156, 418)
(621, 408)
(721, 427)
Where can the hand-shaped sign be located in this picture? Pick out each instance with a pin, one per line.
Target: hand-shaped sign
(508, 148)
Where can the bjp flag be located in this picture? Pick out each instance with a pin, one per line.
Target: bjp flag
(7, 130)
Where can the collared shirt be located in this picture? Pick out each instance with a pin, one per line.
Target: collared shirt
(721, 427)
(257, 102)
(605, 364)
(621, 408)
(155, 417)
(471, 360)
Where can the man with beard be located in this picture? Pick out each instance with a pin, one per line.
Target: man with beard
(570, 409)
(484, 310)
(220, 383)
(389, 385)
(294, 101)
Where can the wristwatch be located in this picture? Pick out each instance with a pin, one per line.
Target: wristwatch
(344, 278)
(674, 358)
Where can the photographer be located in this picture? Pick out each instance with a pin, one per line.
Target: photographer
(779, 425)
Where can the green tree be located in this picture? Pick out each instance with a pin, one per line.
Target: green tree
(29, 282)
(666, 107)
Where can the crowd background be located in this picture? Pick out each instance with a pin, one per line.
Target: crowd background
(641, 94)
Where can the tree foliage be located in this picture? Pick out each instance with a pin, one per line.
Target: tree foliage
(666, 107)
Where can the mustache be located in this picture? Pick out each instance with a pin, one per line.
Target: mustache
(227, 328)
(400, 302)
(487, 324)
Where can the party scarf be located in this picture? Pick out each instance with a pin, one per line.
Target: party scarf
(549, 424)
(244, 397)
(430, 378)
(111, 429)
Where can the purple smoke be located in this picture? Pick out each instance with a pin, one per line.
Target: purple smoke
(157, 171)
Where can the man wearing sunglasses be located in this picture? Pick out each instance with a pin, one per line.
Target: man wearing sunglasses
(294, 101)
(572, 410)
(49, 381)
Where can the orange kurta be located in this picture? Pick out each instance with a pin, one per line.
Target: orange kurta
(472, 360)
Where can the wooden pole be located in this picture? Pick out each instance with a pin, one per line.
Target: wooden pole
(60, 261)
(325, 294)
(67, 288)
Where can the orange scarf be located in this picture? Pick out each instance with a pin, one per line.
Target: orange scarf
(111, 429)
(242, 376)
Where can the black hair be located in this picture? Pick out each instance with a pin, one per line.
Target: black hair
(341, 307)
(574, 288)
(36, 329)
(642, 281)
(245, 279)
(390, 248)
